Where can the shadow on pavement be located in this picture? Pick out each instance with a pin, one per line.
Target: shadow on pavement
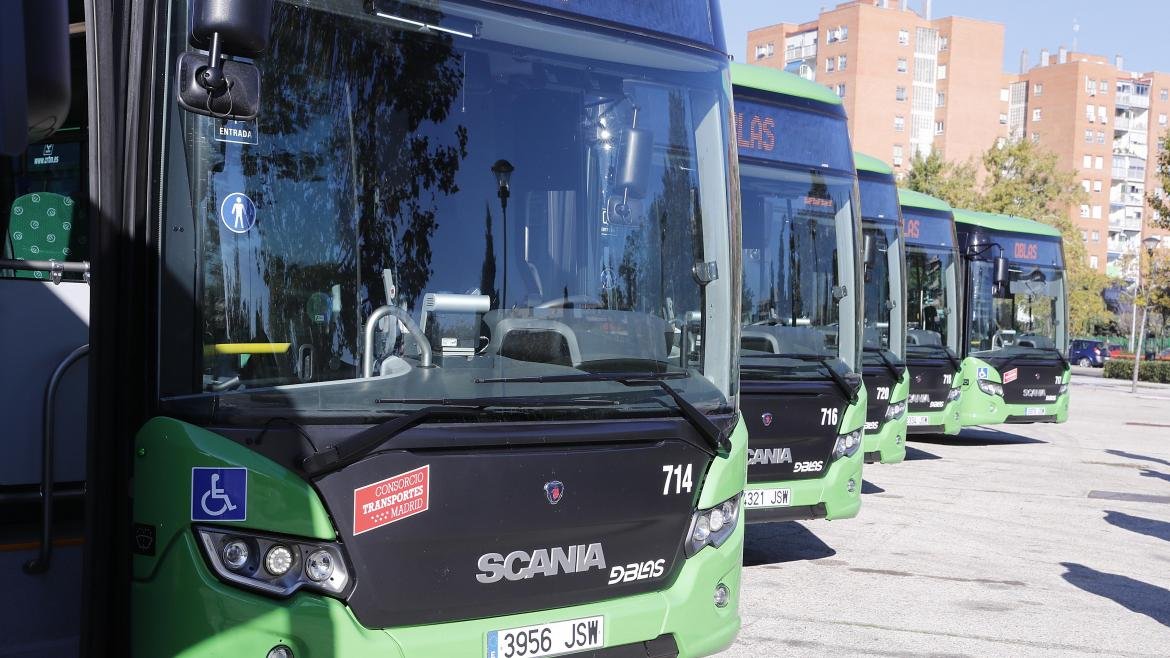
(913, 453)
(868, 487)
(773, 543)
(979, 437)
(1134, 455)
(1147, 473)
(1139, 524)
(1135, 595)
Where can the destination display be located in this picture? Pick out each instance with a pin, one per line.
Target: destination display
(1029, 249)
(926, 229)
(808, 138)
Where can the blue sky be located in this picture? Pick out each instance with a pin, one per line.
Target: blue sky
(1137, 29)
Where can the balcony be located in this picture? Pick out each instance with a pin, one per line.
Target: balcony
(1119, 221)
(1129, 124)
(1118, 201)
(1128, 99)
(799, 52)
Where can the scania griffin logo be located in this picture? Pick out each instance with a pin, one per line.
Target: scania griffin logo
(917, 379)
(554, 491)
(767, 419)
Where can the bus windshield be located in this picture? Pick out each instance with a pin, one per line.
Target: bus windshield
(884, 269)
(1027, 314)
(931, 283)
(798, 264)
(505, 202)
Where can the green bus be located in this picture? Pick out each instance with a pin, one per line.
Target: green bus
(802, 394)
(933, 312)
(413, 328)
(887, 380)
(1015, 333)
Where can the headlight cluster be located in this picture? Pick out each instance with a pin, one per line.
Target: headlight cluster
(954, 394)
(713, 526)
(895, 410)
(847, 445)
(274, 565)
(990, 387)
(1062, 390)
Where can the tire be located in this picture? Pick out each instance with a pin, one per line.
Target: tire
(1085, 362)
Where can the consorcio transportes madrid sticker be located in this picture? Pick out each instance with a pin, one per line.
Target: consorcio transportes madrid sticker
(393, 499)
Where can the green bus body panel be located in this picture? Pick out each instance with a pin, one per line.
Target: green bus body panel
(165, 452)
(890, 440)
(919, 200)
(996, 222)
(947, 417)
(830, 488)
(781, 82)
(180, 608)
(869, 163)
(979, 408)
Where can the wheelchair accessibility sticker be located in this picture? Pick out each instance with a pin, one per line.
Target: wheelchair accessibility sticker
(219, 494)
(981, 373)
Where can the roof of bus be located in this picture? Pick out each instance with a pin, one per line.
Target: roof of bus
(998, 222)
(781, 82)
(865, 162)
(919, 200)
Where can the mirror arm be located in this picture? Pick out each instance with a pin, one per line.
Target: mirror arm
(212, 78)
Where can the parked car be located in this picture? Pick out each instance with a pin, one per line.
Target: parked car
(1114, 350)
(1084, 352)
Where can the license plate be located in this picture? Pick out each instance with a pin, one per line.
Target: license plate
(1035, 411)
(755, 498)
(555, 639)
(918, 420)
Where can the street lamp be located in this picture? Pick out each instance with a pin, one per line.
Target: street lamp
(503, 172)
(1150, 243)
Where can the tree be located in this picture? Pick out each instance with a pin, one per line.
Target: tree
(1159, 199)
(955, 183)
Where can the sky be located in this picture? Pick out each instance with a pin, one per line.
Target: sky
(1138, 29)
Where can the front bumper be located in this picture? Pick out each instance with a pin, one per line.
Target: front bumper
(940, 421)
(826, 497)
(184, 610)
(887, 445)
(979, 408)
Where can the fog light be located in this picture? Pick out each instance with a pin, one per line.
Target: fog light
(279, 560)
(851, 485)
(722, 595)
(280, 651)
(991, 408)
(319, 566)
(235, 554)
(898, 440)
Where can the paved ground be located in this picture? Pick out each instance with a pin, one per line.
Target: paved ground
(1027, 540)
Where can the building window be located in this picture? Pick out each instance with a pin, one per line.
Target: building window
(1096, 212)
(1084, 236)
(840, 62)
(840, 33)
(765, 50)
(900, 93)
(1096, 236)
(942, 99)
(1093, 262)
(1036, 114)
(1101, 113)
(903, 37)
(942, 71)
(902, 66)
(1164, 94)
(1099, 163)
(841, 90)
(1096, 186)
(1000, 142)
(830, 64)
(1088, 136)
(1084, 210)
(1100, 137)
(1035, 138)
(1005, 95)
(1090, 114)
(899, 123)
(897, 155)
(1003, 118)
(1103, 86)
(1161, 119)
(1090, 86)
(938, 127)
(944, 43)
(1038, 89)
(1085, 184)
(1087, 162)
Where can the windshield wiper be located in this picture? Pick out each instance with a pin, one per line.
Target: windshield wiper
(890, 365)
(948, 352)
(715, 436)
(353, 448)
(842, 383)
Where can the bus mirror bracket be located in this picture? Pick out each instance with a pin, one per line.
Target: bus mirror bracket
(1002, 275)
(215, 84)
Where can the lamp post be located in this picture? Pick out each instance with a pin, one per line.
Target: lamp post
(1150, 243)
(503, 171)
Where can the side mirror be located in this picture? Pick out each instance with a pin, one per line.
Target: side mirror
(868, 255)
(1002, 277)
(34, 72)
(633, 165)
(212, 85)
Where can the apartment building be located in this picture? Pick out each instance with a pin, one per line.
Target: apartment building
(1104, 122)
(910, 84)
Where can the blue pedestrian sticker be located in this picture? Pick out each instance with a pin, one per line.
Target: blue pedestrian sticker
(981, 373)
(237, 212)
(219, 494)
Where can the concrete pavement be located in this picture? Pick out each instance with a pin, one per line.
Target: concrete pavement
(1021, 540)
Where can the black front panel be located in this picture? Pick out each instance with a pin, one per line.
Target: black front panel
(792, 427)
(438, 535)
(1026, 382)
(930, 381)
(879, 385)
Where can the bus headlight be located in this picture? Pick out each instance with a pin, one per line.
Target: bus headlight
(847, 444)
(954, 394)
(1062, 390)
(895, 410)
(990, 387)
(713, 526)
(276, 566)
